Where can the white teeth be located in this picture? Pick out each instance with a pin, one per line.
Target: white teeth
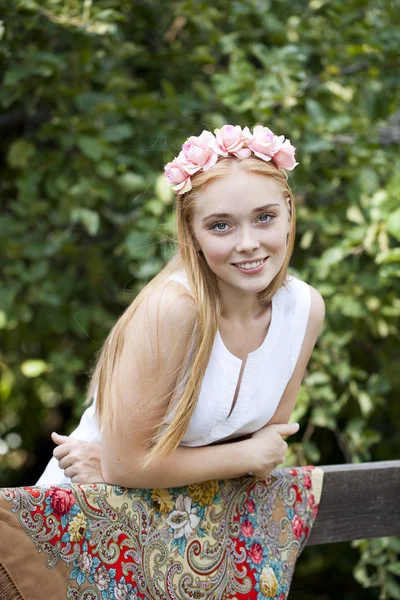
(252, 265)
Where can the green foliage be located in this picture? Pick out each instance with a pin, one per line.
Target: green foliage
(96, 97)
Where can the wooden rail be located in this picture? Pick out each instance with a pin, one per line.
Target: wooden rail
(358, 501)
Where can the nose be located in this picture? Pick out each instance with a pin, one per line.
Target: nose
(248, 241)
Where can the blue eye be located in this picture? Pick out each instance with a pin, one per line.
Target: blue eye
(268, 215)
(215, 227)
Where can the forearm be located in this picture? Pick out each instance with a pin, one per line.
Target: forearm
(184, 466)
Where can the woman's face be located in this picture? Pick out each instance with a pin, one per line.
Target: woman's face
(243, 217)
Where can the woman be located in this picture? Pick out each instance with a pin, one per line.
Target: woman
(213, 350)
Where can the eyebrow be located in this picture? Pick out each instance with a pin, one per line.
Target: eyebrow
(226, 215)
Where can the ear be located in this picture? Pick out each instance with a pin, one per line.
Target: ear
(289, 205)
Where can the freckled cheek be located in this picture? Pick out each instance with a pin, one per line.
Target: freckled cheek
(217, 253)
(274, 241)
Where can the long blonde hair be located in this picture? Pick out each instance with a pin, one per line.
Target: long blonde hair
(205, 292)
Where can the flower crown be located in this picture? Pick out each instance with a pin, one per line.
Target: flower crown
(202, 152)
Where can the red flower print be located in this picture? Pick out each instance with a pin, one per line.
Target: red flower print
(297, 526)
(315, 510)
(250, 505)
(282, 596)
(307, 481)
(311, 500)
(293, 472)
(61, 500)
(255, 553)
(247, 528)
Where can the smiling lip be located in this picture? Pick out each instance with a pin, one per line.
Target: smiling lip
(251, 271)
(243, 262)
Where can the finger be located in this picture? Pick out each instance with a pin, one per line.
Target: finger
(65, 462)
(70, 472)
(287, 429)
(61, 451)
(59, 439)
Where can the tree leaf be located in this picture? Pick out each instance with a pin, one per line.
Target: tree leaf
(34, 367)
(20, 153)
(90, 146)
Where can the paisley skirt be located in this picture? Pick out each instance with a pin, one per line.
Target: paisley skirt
(233, 539)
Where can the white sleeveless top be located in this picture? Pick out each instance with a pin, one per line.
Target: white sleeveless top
(265, 376)
(266, 373)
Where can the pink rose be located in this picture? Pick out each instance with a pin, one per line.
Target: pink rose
(284, 157)
(61, 500)
(256, 553)
(311, 500)
(177, 176)
(197, 153)
(230, 139)
(307, 482)
(315, 510)
(297, 526)
(250, 506)
(264, 143)
(247, 528)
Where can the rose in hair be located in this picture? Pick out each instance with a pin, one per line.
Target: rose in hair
(197, 153)
(264, 143)
(230, 139)
(202, 152)
(178, 176)
(284, 158)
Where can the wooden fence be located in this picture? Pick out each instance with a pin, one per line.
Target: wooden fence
(359, 501)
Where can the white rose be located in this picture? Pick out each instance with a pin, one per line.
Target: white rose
(101, 579)
(121, 591)
(85, 562)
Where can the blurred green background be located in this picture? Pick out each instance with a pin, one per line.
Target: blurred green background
(95, 98)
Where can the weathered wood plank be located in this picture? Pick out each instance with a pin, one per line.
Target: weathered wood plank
(358, 501)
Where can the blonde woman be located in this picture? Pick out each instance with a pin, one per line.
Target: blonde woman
(198, 378)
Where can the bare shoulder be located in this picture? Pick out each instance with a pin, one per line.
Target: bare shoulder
(174, 302)
(168, 308)
(317, 310)
(156, 339)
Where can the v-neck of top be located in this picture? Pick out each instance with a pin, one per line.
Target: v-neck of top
(267, 344)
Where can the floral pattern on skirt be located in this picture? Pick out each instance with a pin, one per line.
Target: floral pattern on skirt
(236, 538)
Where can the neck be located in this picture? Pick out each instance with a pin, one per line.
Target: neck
(240, 307)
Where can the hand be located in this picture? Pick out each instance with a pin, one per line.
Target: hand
(79, 460)
(270, 448)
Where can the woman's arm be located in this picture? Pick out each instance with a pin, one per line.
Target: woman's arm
(184, 466)
(81, 462)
